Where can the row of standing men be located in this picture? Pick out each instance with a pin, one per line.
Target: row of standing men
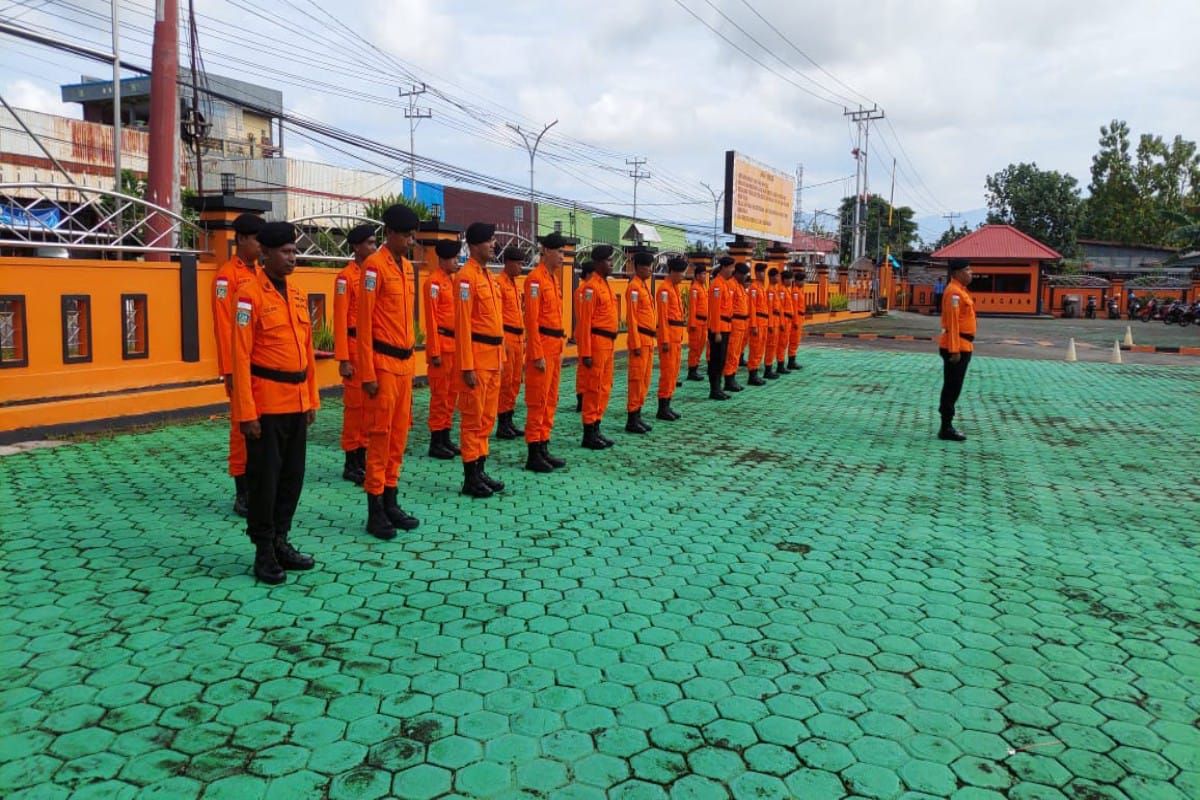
(485, 336)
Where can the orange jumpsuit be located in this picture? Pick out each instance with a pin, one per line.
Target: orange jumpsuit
(544, 327)
(775, 332)
(439, 343)
(514, 341)
(639, 313)
(800, 307)
(479, 343)
(720, 305)
(272, 356)
(671, 327)
(787, 320)
(759, 329)
(596, 338)
(738, 327)
(345, 348)
(697, 324)
(581, 374)
(226, 283)
(958, 319)
(385, 329)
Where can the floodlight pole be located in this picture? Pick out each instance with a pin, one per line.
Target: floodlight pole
(532, 148)
(716, 196)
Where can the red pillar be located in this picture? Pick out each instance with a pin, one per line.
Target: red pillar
(163, 181)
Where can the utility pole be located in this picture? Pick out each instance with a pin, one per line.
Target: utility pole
(863, 118)
(532, 148)
(716, 196)
(637, 175)
(414, 115)
(116, 41)
(162, 184)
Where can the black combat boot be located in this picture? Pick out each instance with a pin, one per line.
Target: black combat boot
(599, 435)
(378, 524)
(240, 506)
(755, 380)
(439, 445)
(769, 374)
(646, 427)
(781, 368)
(590, 438)
(578, 404)
(792, 365)
(350, 469)
(360, 458)
(473, 485)
(664, 410)
(631, 423)
(536, 461)
(492, 483)
(289, 557)
(266, 565)
(949, 433)
(505, 428)
(395, 514)
(694, 374)
(731, 384)
(551, 459)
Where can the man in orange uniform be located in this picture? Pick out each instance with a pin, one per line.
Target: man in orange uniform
(720, 320)
(739, 325)
(787, 311)
(543, 356)
(642, 324)
(775, 323)
(385, 366)
(760, 330)
(585, 272)
(596, 338)
(514, 342)
(799, 309)
(479, 347)
(956, 344)
(345, 344)
(671, 327)
(697, 326)
(229, 278)
(440, 348)
(275, 399)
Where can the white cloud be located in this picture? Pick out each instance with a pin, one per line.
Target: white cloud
(26, 94)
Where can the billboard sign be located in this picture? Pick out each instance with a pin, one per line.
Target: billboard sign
(759, 200)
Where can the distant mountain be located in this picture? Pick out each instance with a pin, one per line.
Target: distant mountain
(931, 228)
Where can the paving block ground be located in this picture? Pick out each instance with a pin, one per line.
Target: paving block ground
(799, 593)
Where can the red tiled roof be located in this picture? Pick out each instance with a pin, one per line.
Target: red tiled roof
(998, 242)
(811, 243)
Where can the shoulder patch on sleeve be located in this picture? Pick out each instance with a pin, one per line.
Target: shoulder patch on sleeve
(341, 285)
(464, 290)
(587, 293)
(664, 295)
(370, 279)
(716, 290)
(954, 300)
(633, 295)
(434, 290)
(244, 308)
(222, 288)
(534, 289)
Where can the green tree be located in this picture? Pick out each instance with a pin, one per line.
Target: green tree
(375, 208)
(899, 235)
(1042, 203)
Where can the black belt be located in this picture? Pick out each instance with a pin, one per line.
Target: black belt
(352, 332)
(677, 323)
(557, 333)
(446, 332)
(278, 375)
(483, 338)
(760, 314)
(402, 353)
(647, 331)
(606, 334)
(725, 318)
(513, 329)
(740, 316)
(970, 337)
(701, 319)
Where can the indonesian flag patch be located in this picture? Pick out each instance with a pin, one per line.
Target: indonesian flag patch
(464, 291)
(243, 313)
(341, 285)
(587, 294)
(434, 290)
(633, 295)
(663, 296)
(370, 280)
(222, 288)
(533, 290)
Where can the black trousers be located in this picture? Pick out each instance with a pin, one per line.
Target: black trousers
(275, 475)
(952, 382)
(716, 359)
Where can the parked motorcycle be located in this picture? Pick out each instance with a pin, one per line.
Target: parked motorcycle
(1114, 308)
(1135, 308)
(1090, 310)
(1173, 313)
(1152, 310)
(1190, 314)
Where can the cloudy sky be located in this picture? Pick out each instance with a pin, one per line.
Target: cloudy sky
(968, 86)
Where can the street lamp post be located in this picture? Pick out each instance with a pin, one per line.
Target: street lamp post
(532, 148)
(716, 196)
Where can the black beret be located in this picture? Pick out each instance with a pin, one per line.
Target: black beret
(760, 267)
(553, 241)
(742, 268)
(786, 275)
(643, 258)
(480, 232)
(677, 264)
(276, 234)
(401, 219)
(602, 252)
(957, 264)
(247, 224)
(514, 253)
(586, 268)
(725, 261)
(360, 233)
(447, 248)
(772, 272)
